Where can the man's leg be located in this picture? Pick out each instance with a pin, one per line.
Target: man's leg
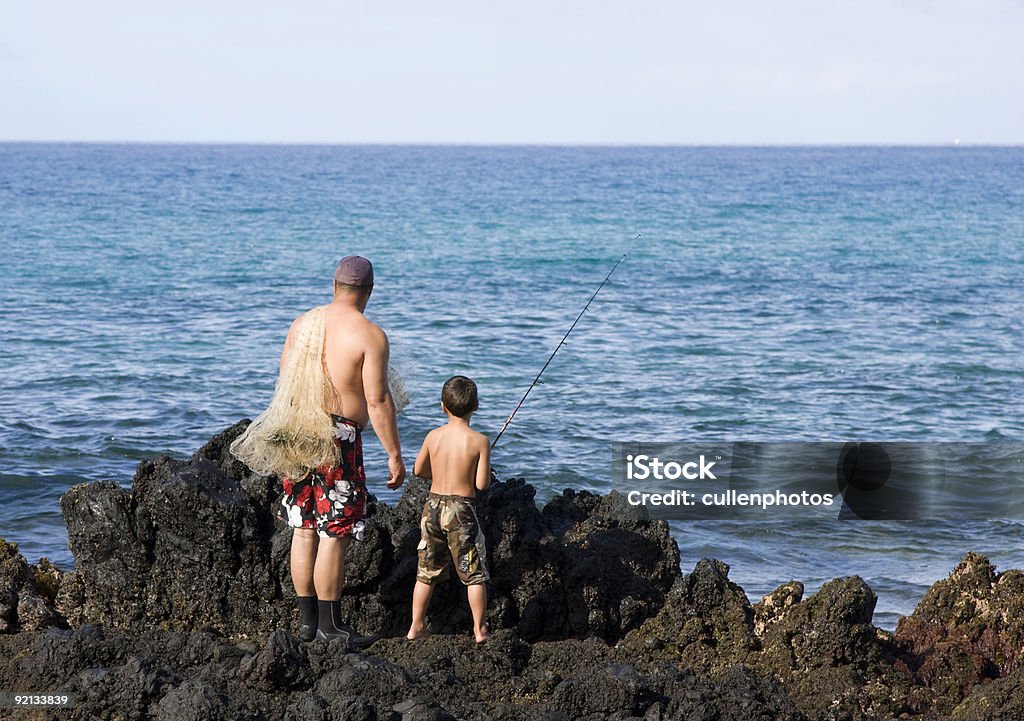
(329, 578)
(304, 552)
(420, 600)
(478, 605)
(303, 558)
(329, 573)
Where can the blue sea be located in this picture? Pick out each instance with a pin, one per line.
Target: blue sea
(803, 293)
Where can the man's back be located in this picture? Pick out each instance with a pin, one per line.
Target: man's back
(355, 361)
(349, 339)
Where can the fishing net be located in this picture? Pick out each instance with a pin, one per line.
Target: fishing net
(399, 391)
(294, 434)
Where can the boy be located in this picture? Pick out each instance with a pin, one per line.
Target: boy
(457, 461)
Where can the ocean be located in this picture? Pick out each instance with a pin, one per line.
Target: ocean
(775, 294)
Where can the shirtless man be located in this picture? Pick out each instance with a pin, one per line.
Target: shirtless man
(326, 507)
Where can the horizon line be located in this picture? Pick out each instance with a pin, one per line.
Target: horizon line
(526, 144)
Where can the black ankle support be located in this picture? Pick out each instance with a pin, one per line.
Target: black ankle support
(308, 610)
(330, 617)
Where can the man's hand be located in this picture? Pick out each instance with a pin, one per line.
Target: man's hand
(396, 472)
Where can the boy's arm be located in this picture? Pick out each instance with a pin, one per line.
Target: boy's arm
(421, 467)
(483, 466)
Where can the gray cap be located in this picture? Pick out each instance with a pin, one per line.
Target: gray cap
(354, 270)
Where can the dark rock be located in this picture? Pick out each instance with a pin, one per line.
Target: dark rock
(110, 554)
(968, 628)
(129, 688)
(353, 708)
(27, 593)
(47, 579)
(421, 709)
(604, 689)
(194, 543)
(188, 546)
(706, 622)
(999, 700)
(615, 574)
(381, 683)
(198, 701)
(13, 572)
(282, 665)
(181, 608)
(548, 665)
(776, 605)
(831, 658)
(824, 650)
(58, 654)
(70, 602)
(174, 675)
(740, 695)
(454, 662)
(310, 708)
(35, 613)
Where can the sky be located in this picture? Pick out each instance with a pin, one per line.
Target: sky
(557, 71)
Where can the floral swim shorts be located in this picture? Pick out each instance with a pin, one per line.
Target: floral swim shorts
(331, 499)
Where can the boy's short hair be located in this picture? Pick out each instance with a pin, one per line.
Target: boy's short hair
(459, 396)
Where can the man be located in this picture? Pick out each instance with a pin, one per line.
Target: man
(325, 507)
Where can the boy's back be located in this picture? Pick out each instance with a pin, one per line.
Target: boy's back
(453, 452)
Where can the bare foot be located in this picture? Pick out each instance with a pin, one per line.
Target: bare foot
(414, 633)
(483, 634)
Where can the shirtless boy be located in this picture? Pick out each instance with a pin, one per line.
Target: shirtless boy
(456, 459)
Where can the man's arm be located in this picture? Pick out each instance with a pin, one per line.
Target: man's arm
(483, 466)
(380, 405)
(421, 467)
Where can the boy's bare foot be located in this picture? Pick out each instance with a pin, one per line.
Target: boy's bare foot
(414, 633)
(482, 634)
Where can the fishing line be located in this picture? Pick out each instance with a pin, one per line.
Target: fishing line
(562, 342)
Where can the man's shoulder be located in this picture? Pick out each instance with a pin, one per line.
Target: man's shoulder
(357, 325)
(306, 314)
(295, 323)
(368, 329)
(375, 330)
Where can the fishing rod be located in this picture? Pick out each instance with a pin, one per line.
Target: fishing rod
(562, 342)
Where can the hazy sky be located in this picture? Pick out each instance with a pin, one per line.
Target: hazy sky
(636, 71)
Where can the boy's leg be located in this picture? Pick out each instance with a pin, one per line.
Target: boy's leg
(420, 601)
(468, 549)
(477, 594)
(431, 561)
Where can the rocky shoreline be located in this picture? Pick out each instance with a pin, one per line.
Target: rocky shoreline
(180, 607)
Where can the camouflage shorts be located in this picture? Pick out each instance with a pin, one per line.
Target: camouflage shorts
(449, 529)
